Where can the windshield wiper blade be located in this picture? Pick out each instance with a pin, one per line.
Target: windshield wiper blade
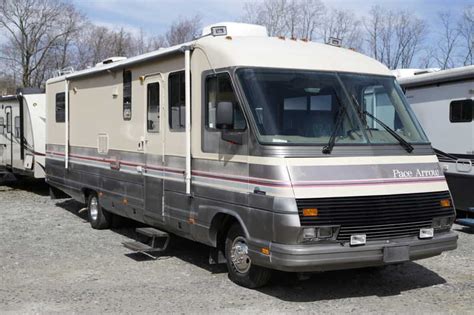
(327, 149)
(407, 146)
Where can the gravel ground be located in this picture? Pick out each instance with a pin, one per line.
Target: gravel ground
(53, 262)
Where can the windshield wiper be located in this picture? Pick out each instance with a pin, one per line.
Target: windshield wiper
(327, 149)
(407, 146)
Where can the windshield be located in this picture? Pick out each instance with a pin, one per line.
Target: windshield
(302, 107)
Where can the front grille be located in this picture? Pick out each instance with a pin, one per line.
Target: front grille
(379, 217)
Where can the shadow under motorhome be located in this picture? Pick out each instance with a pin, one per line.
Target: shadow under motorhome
(256, 146)
(22, 133)
(443, 102)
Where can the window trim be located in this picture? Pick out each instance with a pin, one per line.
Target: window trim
(206, 102)
(467, 100)
(63, 120)
(148, 104)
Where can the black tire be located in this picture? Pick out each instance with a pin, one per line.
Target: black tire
(99, 218)
(254, 276)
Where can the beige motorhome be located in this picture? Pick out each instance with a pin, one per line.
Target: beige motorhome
(273, 151)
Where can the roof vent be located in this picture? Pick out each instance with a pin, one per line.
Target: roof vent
(110, 60)
(234, 29)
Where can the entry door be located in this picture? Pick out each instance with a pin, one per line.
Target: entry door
(153, 175)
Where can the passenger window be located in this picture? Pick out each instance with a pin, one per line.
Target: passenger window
(60, 107)
(176, 93)
(219, 89)
(127, 95)
(378, 103)
(153, 107)
(17, 127)
(461, 111)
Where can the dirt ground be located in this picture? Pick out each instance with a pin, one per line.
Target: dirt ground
(52, 262)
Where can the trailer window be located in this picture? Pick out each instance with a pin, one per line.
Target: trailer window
(60, 107)
(9, 123)
(127, 95)
(2, 125)
(17, 127)
(153, 107)
(219, 89)
(461, 111)
(176, 93)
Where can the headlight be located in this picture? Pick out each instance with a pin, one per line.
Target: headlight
(442, 223)
(319, 233)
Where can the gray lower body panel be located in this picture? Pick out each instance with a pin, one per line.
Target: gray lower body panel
(323, 257)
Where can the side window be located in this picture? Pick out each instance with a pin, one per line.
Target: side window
(153, 107)
(219, 89)
(461, 111)
(17, 127)
(9, 123)
(60, 107)
(2, 125)
(127, 95)
(176, 96)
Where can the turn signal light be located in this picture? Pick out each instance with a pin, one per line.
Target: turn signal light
(310, 212)
(265, 251)
(445, 203)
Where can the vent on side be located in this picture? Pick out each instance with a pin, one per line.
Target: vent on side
(103, 143)
(379, 217)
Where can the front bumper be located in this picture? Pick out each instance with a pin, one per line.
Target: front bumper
(323, 257)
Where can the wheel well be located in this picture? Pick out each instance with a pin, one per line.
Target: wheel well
(87, 192)
(219, 227)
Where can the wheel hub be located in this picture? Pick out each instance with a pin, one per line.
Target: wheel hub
(239, 255)
(94, 208)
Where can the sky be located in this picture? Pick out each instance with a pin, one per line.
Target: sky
(155, 16)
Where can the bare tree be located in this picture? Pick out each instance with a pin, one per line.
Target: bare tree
(393, 37)
(466, 32)
(447, 41)
(292, 18)
(342, 24)
(183, 30)
(33, 29)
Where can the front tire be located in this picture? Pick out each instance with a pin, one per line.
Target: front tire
(99, 218)
(239, 265)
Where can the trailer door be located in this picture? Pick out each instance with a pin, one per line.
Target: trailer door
(153, 149)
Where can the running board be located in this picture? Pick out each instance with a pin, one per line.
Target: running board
(154, 241)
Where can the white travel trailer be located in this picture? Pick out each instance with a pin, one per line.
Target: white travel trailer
(443, 101)
(22, 133)
(270, 150)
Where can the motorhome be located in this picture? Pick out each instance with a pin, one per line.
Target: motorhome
(273, 151)
(22, 133)
(443, 101)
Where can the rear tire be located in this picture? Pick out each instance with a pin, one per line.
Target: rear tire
(239, 265)
(99, 218)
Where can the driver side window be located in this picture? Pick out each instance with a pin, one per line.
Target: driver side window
(219, 89)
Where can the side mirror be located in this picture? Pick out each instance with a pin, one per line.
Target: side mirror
(225, 116)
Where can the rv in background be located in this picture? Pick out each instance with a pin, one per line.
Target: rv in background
(22, 133)
(276, 152)
(443, 101)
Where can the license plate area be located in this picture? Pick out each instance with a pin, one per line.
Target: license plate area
(395, 254)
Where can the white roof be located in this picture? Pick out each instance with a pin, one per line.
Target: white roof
(257, 50)
(442, 76)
